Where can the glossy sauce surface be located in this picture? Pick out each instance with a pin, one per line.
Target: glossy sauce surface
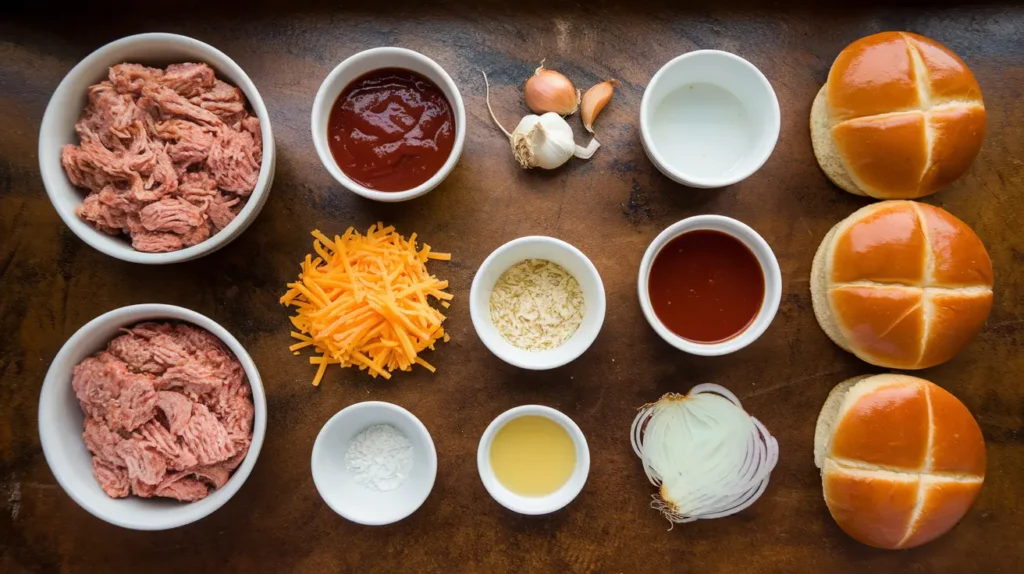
(391, 129)
(533, 455)
(706, 286)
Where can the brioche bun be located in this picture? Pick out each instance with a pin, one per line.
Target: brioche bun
(900, 117)
(901, 284)
(902, 460)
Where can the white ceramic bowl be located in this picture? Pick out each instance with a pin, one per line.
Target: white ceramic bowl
(70, 98)
(338, 487)
(534, 504)
(362, 63)
(709, 119)
(769, 267)
(61, 422)
(556, 251)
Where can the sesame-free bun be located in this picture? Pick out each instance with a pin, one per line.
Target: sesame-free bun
(900, 117)
(902, 460)
(901, 284)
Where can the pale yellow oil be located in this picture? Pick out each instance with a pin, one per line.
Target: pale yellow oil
(532, 455)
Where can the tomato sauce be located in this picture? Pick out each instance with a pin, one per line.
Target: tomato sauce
(391, 129)
(706, 286)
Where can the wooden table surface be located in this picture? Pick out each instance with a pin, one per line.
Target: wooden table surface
(610, 207)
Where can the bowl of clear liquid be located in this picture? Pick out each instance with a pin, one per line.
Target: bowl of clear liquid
(709, 119)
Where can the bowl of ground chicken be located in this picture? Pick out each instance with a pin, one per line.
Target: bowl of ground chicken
(151, 416)
(156, 149)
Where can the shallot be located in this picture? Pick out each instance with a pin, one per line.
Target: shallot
(550, 91)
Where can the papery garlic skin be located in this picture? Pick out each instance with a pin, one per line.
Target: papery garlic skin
(543, 141)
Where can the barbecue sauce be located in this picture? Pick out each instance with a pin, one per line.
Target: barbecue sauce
(706, 286)
(391, 129)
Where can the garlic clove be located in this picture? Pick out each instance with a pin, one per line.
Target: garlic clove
(595, 100)
(549, 91)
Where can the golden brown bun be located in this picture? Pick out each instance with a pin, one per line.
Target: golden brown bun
(901, 459)
(902, 285)
(900, 117)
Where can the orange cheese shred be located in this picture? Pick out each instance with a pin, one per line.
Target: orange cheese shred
(363, 301)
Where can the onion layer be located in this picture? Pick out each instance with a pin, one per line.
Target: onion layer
(708, 456)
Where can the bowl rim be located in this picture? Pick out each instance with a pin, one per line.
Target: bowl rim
(131, 315)
(556, 500)
(769, 268)
(49, 143)
(540, 360)
(697, 181)
(320, 115)
(336, 418)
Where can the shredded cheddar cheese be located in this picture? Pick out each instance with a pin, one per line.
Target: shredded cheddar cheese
(363, 301)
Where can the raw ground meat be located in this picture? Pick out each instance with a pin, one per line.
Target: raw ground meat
(113, 479)
(168, 156)
(168, 410)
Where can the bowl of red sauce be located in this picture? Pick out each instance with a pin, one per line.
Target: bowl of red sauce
(389, 124)
(709, 285)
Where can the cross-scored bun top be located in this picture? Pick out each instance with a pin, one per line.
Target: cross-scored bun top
(902, 284)
(904, 115)
(902, 459)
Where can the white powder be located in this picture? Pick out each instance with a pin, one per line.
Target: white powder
(380, 457)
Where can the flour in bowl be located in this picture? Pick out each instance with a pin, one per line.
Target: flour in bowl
(380, 457)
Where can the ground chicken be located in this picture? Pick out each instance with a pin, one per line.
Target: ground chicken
(169, 412)
(168, 157)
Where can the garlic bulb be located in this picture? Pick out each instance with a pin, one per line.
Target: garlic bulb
(544, 141)
(550, 91)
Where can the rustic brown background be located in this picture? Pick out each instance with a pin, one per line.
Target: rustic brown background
(610, 207)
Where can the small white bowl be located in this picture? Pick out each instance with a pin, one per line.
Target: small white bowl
(709, 119)
(362, 63)
(769, 267)
(70, 98)
(61, 422)
(556, 251)
(534, 505)
(338, 487)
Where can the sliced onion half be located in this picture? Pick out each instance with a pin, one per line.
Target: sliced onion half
(708, 456)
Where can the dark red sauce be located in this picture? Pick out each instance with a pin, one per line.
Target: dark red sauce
(391, 129)
(706, 286)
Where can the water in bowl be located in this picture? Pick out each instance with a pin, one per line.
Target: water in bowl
(702, 130)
